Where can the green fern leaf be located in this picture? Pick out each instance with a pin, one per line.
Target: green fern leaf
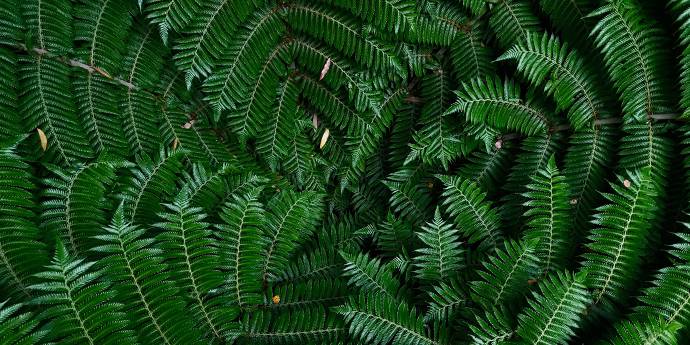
(81, 307)
(378, 319)
(549, 213)
(441, 256)
(142, 280)
(554, 313)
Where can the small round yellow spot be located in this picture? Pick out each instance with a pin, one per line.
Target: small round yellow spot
(276, 299)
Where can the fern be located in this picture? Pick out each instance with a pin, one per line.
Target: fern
(636, 68)
(621, 235)
(135, 265)
(471, 212)
(343, 172)
(81, 309)
(388, 319)
(548, 216)
(553, 315)
(499, 104)
(442, 254)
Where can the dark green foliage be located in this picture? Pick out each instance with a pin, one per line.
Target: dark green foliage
(344, 172)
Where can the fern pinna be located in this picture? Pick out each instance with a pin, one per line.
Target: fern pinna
(344, 172)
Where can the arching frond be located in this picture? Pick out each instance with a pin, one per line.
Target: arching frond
(241, 249)
(21, 252)
(554, 313)
(473, 215)
(18, 326)
(136, 268)
(75, 203)
(369, 275)
(506, 274)
(499, 104)
(310, 326)
(242, 61)
(615, 246)
(198, 50)
(390, 15)
(441, 257)
(512, 21)
(544, 60)
(193, 258)
(634, 52)
(379, 319)
(46, 104)
(153, 180)
(647, 332)
(290, 219)
(549, 214)
(79, 303)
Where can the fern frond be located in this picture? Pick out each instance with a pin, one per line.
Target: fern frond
(153, 180)
(241, 249)
(21, 252)
(142, 280)
(343, 34)
(544, 60)
(487, 168)
(393, 235)
(11, 23)
(193, 258)
(312, 56)
(668, 299)
(554, 313)
(616, 245)
(410, 200)
(369, 275)
(200, 46)
(645, 332)
(47, 105)
(310, 326)
(590, 154)
(634, 50)
(170, 15)
(570, 18)
(680, 9)
(10, 123)
(200, 143)
(533, 155)
(442, 254)
(48, 24)
(549, 214)
(466, 203)
(506, 274)
(18, 326)
(499, 104)
(98, 114)
(470, 47)
(80, 305)
(100, 29)
(242, 61)
(390, 15)
(273, 141)
(257, 99)
(378, 319)
(512, 21)
(291, 218)
(75, 203)
(211, 188)
(141, 67)
(308, 294)
(446, 301)
(436, 141)
(494, 327)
